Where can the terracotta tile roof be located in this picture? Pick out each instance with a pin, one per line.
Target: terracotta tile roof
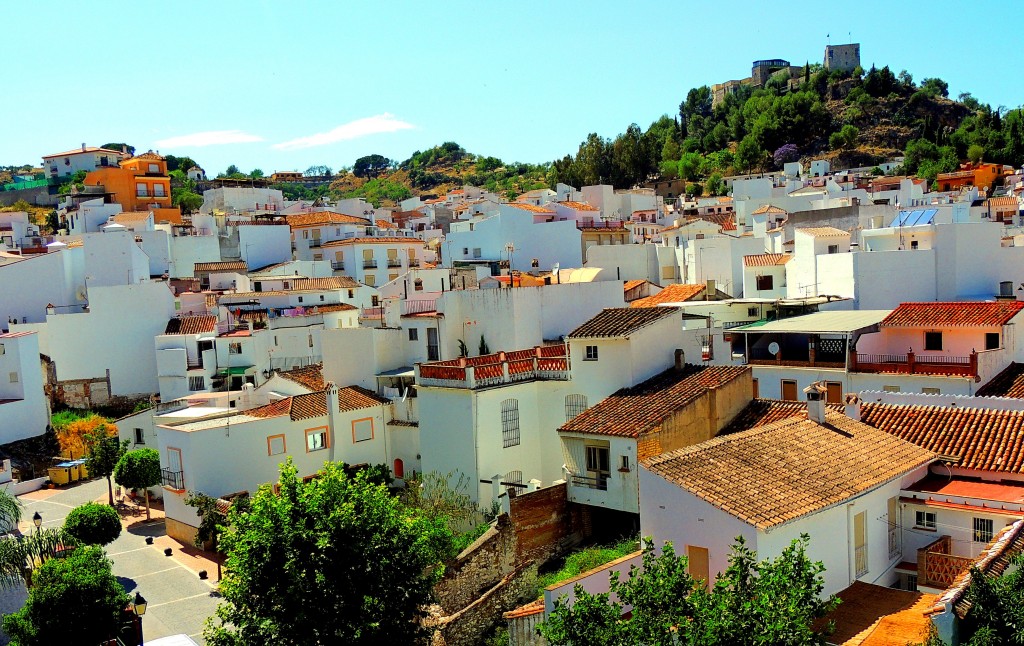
(873, 615)
(530, 207)
(761, 412)
(961, 314)
(621, 321)
(579, 206)
(532, 608)
(384, 224)
(823, 232)
(228, 265)
(675, 293)
(273, 409)
(774, 474)
(298, 407)
(1003, 201)
(127, 217)
(379, 240)
(984, 439)
(768, 208)
(149, 154)
(766, 259)
(191, 325)
(323, 218)
(311, 377)
(308, 406)
(79, 151)
(631, 412)
(632, 284)
(1008, 383)
(725, 220)
(330, 282)
(356, 397)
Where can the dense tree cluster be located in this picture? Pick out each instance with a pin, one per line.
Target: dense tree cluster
(768, 602)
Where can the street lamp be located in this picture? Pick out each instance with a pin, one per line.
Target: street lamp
(37, 520)
(139, 607)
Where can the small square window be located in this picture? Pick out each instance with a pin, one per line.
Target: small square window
(624, 464)
(891, 389)
(983, 530)
(362, 430)
(751, 311)
(275, 445)
(414, 334)
(931, 391)
(933, 341)
(924, 519)
(14, 377)
(316, 439)
(234, 348)
(140, 438)
(591, 354)
(833, 248)
(991, 340)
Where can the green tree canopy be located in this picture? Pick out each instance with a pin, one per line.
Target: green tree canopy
(996, 615)
(10, 511)
(752, 603)
(103, 453)
(139, 469)
(75, 600)
(336, 559)
(118, 146)
(93, 524)
(370, 166)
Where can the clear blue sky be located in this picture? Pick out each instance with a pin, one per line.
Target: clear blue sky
(285, 85)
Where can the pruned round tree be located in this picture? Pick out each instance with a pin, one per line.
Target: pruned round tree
(74, 600)
(139, 469)
(93, 524)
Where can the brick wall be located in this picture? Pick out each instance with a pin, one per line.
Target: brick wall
(546, 523)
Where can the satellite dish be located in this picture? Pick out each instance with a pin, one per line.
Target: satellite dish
(773, 348)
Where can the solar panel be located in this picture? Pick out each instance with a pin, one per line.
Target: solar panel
(902, 215)
(928, 217)
(912, 218)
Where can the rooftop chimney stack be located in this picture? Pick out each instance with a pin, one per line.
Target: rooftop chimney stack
(680, 359)
(853, 406)
(83, 146)
(816, 402)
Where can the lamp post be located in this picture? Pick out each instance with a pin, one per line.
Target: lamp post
(139, 608)
(37, 520)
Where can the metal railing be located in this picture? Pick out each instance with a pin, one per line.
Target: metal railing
(338, 265)
(860, 559)
(414, 262)
(369, 264)
(600, 484)
(173, 479)
(394, 262)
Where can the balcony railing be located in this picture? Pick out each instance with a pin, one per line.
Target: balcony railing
(173, 479)
(394, 262)
(860, 558)
(590, 483)
(542, 362)
(414, 262)
(914, 364)
(338, 265)
(937, 566)
(369, 264)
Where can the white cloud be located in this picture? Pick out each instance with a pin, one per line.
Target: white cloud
(209, 138)
(352, 130)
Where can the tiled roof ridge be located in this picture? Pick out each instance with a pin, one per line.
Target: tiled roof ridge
(953, 313)
(618, 321)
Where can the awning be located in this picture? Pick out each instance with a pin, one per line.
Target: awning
(237, 370)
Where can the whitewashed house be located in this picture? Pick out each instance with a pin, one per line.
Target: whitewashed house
(23, 405)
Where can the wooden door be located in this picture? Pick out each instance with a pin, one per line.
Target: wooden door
(789, 390)
(699, 564)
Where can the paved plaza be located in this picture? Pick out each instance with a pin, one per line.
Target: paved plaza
(179, 601)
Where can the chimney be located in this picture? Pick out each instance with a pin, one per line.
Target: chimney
(124, 150)
(853, 406)
(816, 402)
(680, 359)
(83, 146)
(711, 290)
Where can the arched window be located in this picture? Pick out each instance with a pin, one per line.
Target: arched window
(399, 470)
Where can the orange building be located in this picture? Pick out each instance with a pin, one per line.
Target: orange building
(140, 183)
(982, 175)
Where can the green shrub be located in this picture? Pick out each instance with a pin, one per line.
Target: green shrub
(93, 524)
